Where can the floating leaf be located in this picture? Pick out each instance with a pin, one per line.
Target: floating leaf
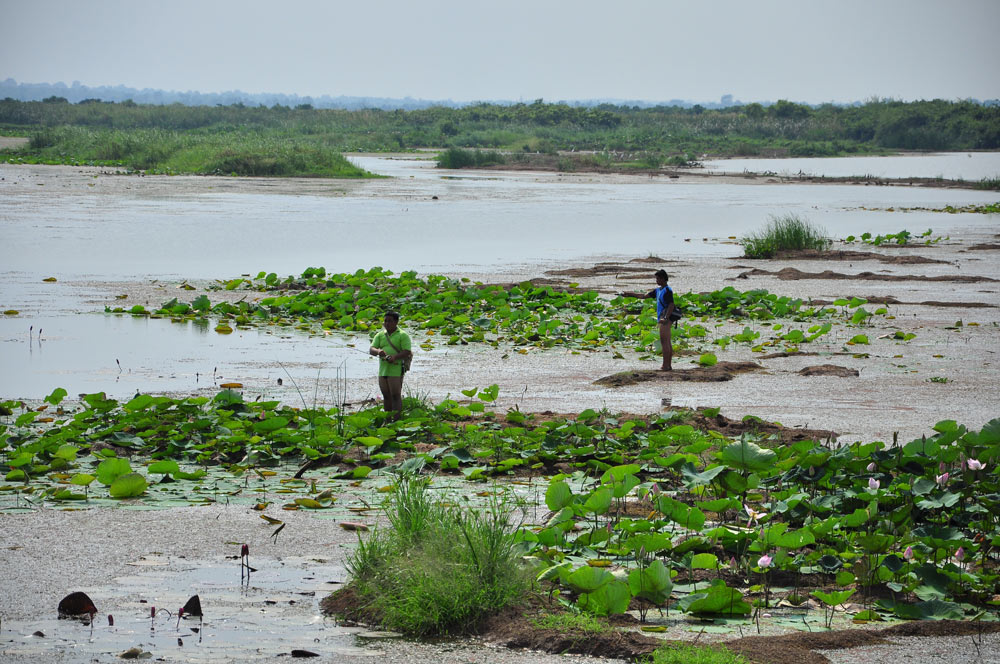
(128, 486)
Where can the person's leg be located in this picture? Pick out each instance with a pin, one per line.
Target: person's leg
(394, 401)
(666, 346)
(383, 385)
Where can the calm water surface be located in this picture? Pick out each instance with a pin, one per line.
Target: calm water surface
(477, 223)
(971, 166)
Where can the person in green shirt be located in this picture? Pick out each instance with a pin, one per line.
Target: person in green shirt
(392, 347)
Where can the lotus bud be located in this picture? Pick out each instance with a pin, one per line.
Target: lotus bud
(908, 554)
(941, 467)
(764, 561)
(975, 464)
(941, 479)
(244, 550)
(111, 620)
(152, 612)
(871, 467)
(655, 489)
(960, 554)
(873, 484)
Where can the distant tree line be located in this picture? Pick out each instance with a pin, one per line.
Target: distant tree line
(82, 132)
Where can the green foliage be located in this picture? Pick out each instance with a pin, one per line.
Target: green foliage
(459, 158)
(572, 622)
(440, 570)
(262, 140)
(689, 653)
(846, 512)
(787, 233)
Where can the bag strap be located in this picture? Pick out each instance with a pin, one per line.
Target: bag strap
(388, 339)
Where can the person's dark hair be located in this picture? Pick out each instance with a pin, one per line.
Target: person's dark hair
(393, 315)
(662, 273)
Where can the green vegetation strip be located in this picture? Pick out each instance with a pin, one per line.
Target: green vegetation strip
(285, 141)
(451, 312)
(652, 512)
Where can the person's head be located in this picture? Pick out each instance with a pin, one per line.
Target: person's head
(661, 277)
(391, 321)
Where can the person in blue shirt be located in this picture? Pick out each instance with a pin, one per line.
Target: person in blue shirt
(664, 309)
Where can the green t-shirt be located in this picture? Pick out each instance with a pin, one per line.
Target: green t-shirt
(399, 339)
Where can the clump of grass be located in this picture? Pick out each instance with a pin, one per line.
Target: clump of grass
(992, 183)
(572, 622)
(460, 158)
(684, 653)
(437, 570)
(785, 233)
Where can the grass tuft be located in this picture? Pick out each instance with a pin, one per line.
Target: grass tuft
(684, 653)
(437, 570)
(789, 232)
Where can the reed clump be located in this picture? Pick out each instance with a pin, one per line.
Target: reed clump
(787, 233)
(437, 570)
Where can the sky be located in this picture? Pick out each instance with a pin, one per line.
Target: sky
(811, 51)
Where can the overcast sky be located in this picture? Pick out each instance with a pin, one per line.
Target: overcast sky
(465, 50)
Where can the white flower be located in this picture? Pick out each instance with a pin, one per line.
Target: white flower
(975, 464)
(873, 484)
(764, 561)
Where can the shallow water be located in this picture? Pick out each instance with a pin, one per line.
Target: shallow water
(149, 230)
(275, 611)
(971, 166)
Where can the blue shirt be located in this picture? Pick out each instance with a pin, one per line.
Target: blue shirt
(664, 298)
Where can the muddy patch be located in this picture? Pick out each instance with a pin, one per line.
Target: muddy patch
(889, 299)
(722, 371)
(517, 628)
(793, 274)
(848, 255)
(829, 370)
(991, 246)
(800, 648)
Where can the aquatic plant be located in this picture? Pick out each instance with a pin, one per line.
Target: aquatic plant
(787, 233)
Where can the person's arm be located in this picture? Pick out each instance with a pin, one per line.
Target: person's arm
(375, 350)
(651, 293)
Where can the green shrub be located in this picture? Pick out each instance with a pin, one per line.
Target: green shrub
(461, 158)
(783, 234)
(437, 570)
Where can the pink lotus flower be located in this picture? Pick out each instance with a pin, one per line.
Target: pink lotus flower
(908, 554)
(764, 561)
(871, 467)
(960, 554)
(975, 464)
(941, 479)
(873, 484)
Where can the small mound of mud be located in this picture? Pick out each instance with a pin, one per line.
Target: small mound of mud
(848, 255)
(989, 246)
(793, 274)
(829, 370)
(889, 299)
(601, 269)
(722, 371)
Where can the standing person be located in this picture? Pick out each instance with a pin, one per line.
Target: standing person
(664, 309)
(392, 347)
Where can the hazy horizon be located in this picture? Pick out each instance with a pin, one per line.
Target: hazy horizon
(639, 50)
